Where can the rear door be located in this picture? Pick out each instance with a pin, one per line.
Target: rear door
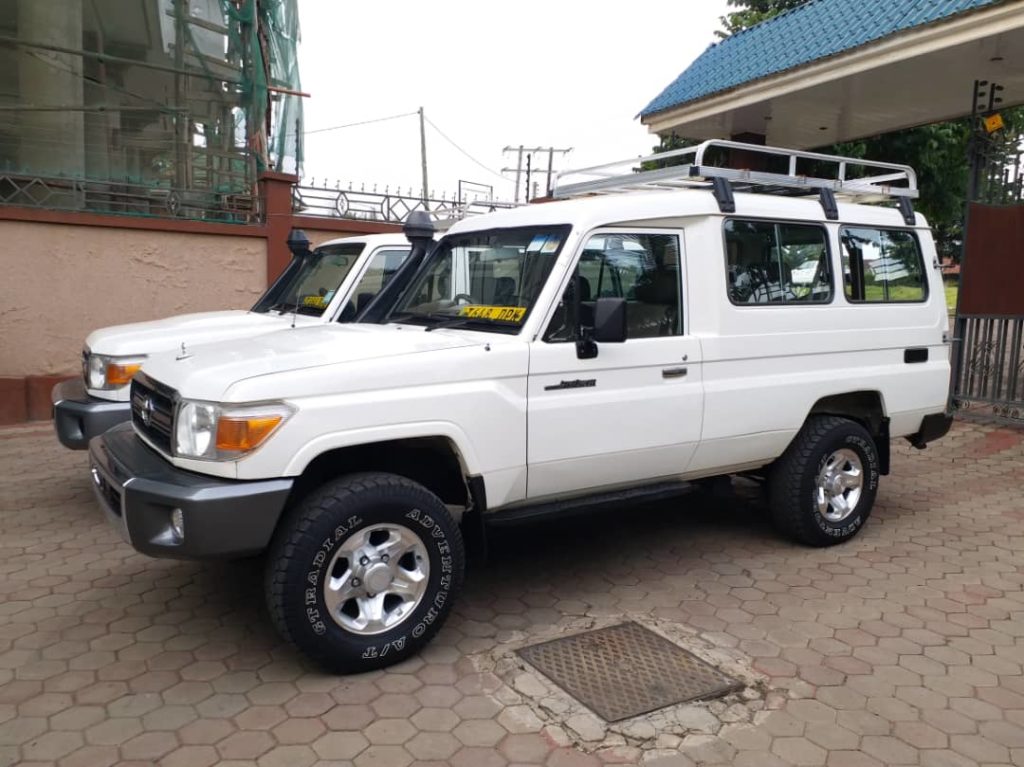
(634, 412)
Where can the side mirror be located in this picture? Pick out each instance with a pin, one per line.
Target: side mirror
(609, 327)
(610, 320)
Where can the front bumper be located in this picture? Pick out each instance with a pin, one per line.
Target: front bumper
(78, 417)
(138, 489)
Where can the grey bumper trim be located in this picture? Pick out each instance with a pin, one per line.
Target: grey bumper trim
(78, 417)
(138, 490)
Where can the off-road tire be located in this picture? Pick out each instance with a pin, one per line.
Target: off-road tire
(792, 483)
(301, 552)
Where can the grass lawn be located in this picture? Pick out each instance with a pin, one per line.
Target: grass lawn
(875, 292)
(951, 291)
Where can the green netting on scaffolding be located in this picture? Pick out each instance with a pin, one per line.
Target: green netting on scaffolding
(150, 106)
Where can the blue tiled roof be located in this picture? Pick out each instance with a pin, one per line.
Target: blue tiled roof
(813, 31)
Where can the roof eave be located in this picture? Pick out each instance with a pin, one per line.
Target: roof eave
(965, 27)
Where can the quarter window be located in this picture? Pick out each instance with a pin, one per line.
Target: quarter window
(777, 263)
(882, 265)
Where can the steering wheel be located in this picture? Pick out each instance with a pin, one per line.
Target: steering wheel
(459, 296)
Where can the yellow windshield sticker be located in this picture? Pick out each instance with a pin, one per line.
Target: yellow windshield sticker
(504, 313)
(317, 302)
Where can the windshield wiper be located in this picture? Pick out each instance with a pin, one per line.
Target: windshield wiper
(448, 321)
(451, 322)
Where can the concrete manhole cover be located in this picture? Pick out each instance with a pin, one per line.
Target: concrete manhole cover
(626, 670)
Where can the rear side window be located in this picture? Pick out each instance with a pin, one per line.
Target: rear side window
(882, 265)
(771, 262)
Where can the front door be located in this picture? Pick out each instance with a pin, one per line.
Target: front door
(634, 412)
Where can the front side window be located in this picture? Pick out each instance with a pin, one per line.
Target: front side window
(644, 269)
(309, 283)
(882, 265)
(482, 280)
(381, 269)
(771, 262)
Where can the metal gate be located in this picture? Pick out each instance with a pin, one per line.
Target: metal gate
(988, 351)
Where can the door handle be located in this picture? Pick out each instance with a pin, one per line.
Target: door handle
(673, 372)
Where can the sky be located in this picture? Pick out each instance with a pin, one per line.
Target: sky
(561, 73)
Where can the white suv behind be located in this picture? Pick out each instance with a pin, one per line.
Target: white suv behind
(324, 285)
(613, 346)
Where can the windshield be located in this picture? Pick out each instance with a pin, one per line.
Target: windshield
(482, 280)
(308, 284)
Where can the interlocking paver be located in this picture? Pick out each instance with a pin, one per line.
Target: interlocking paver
(904, 646)
(340, 745)
(434, 745)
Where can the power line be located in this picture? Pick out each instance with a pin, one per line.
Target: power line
(362, 122)
(467, 154)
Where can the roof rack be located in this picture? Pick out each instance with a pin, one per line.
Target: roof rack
(871, 181)
(447, 213)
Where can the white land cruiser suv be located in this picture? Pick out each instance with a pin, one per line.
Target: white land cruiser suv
(334, 280)
(612, 346)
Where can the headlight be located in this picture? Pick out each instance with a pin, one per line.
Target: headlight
(222, 432)
(105, 372)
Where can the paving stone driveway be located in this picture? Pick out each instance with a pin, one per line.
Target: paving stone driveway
(905, 646)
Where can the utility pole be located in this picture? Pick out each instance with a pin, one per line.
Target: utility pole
(529, 168)
(423, 156)
(519, 166)
(529, 152)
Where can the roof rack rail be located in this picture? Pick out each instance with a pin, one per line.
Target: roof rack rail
(849, 178)
(445, 214)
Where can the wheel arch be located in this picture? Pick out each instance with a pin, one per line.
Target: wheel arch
(866, 407)
(434, 461)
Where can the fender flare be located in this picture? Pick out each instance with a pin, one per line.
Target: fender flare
(465, 452)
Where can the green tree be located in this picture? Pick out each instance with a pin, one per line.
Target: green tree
(753, 12)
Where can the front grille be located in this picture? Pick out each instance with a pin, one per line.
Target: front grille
(153, 411)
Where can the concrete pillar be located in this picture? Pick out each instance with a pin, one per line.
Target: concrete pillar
(97, 135)
(52, 142)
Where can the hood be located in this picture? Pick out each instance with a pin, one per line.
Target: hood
(189, 329)
(209, 372)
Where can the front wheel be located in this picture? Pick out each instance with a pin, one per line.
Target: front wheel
(822, 489)
(364, 571)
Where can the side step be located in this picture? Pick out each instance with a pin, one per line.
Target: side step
(570, 506)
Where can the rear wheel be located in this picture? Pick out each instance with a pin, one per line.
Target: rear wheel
(823, 487)
(364, 572)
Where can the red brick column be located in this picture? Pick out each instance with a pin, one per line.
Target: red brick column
(739, 158)
(277, 200)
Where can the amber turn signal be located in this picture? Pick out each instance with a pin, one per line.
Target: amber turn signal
(119, 375)
(243, 433)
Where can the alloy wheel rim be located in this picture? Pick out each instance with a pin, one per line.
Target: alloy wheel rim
(376, 579)
(839, 485)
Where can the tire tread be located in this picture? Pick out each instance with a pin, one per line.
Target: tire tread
(787, 476)
(295, 531)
